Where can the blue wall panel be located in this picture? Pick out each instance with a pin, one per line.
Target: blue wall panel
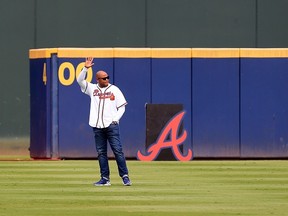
(76, 138)
(215, 112)
(235, 99)
(40, 125)
(132, 76)
(171, 84)
(264, 107)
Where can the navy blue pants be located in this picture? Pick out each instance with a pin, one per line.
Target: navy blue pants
(110, 135)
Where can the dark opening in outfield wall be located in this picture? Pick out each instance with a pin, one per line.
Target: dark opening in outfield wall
(165, 133)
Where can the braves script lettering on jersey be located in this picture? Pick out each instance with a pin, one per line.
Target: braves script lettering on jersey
(107, 104)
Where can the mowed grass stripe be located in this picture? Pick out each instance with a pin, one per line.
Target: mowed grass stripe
(159, 188)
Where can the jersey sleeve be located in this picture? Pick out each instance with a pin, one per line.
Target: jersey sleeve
(84, 85)
(120, 99)
(81, 80)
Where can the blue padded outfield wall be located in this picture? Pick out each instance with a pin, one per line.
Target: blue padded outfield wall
(235, 100)
(264, 104)
(215, 102)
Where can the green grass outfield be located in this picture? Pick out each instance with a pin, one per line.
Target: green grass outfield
(249, 187)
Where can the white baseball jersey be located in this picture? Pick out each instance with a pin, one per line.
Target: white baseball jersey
(105, 104)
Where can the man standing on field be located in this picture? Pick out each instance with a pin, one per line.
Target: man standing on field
(106, 108)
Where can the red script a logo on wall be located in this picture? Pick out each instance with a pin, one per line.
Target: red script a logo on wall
(174, 142)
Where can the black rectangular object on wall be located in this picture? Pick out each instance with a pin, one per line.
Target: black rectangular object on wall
(157, 116)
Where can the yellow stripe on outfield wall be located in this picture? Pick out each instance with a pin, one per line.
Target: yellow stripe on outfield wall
(85, 52)
(171, 52)
(160, 52)
(132, 52)
(41, 53)
(264, 53)
(215, 53)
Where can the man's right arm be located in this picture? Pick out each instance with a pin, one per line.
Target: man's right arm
(81, 79)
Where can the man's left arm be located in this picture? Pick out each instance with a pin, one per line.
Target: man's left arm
(119, 114)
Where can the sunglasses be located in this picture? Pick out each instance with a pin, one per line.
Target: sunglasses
(104, 78)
